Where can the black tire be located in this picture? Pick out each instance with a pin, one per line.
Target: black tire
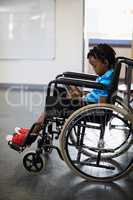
(34, 163)
(96, 162)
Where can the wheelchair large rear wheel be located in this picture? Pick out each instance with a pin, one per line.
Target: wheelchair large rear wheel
(96, 142)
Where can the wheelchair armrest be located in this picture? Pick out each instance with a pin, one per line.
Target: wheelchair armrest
(79, 75)
(77, 82)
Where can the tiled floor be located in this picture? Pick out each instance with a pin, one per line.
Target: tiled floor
(19, 108)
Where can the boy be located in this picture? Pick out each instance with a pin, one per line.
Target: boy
(102, 58)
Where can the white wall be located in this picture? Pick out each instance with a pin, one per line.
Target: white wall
(69, 45)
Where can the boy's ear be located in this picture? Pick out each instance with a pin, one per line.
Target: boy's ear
(106, 62)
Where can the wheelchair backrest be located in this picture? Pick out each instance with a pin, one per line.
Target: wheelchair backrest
(115, 80)
(128, 63)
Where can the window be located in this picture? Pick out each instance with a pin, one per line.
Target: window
(27, 29)
(109, 21)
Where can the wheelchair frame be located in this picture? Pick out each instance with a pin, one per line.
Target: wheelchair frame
(61, 118)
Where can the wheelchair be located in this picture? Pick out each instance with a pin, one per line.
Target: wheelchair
(95, 140)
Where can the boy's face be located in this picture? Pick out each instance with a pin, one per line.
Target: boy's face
(99, 66)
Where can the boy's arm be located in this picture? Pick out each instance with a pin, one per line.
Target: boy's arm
(102, 99)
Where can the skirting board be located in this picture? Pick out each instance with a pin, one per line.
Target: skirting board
(30, 87)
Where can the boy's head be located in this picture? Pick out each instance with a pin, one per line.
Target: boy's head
(102, 58)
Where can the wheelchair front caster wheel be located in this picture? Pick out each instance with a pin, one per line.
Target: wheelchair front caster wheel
(33, 162)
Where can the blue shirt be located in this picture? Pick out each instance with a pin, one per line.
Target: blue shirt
(95, 94)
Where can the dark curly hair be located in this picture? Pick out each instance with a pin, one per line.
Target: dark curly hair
(103, 52)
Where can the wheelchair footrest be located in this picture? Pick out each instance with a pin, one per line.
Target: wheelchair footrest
(16, 147)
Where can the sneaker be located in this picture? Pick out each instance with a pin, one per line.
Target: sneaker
(9, 137)
(20, 135)
(17, 129)
(23, 130)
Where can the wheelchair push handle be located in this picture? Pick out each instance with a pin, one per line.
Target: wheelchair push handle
(129, 63)
(125, 60)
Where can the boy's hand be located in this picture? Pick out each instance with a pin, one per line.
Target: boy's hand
(74, 92)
